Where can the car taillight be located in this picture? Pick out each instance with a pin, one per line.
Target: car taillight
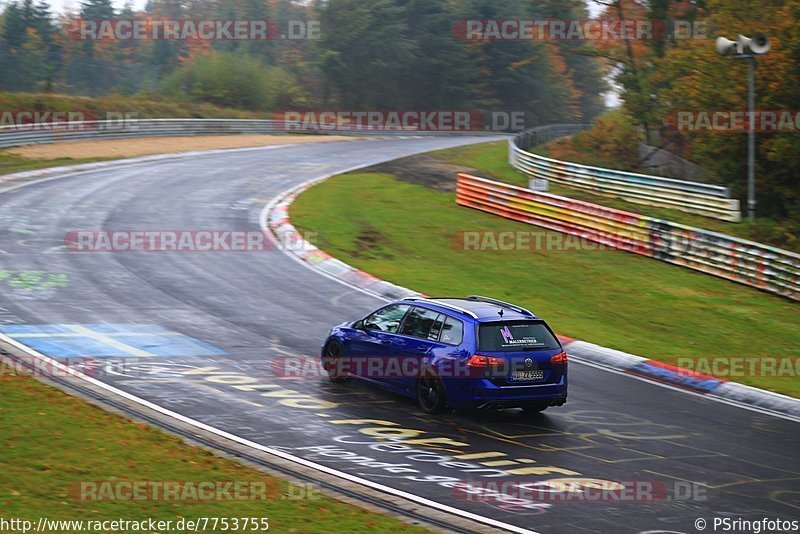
(479, 360)
(559, 359)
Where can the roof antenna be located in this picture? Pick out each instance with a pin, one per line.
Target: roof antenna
(500, 313)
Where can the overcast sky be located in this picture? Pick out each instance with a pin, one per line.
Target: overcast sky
(59, 6)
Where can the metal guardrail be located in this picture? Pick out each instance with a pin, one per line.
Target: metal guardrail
(767, 268)
(543, 134)
(11, 136)
(77, 131)
(692, 197)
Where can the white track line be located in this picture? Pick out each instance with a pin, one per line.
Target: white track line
(709, 396)
(275, 452)
(286, 456)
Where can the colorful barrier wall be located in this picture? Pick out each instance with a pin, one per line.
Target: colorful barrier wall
(767, 268)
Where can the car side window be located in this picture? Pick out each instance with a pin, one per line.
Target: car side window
(419, 322)
(452, 331)
(436, 329)
(387, 319)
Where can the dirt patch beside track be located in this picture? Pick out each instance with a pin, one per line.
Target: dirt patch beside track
(128, 148)
(426, 170)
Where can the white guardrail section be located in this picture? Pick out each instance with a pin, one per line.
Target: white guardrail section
(22, 135)
(692, 197)
(768, 268)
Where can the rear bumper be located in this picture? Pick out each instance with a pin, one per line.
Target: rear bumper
(481, 393)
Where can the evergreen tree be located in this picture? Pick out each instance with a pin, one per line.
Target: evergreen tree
(14, 26)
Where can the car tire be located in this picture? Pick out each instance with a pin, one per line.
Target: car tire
(430, 392)
(330, 361)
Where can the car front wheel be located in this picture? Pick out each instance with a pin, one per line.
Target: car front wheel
(332, 362)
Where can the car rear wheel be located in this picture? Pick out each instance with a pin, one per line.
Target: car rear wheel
(430, 392)
(332, 362)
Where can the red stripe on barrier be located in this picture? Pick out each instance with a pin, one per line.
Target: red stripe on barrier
(683, 371)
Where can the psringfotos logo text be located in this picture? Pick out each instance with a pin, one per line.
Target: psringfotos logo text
(193, 30)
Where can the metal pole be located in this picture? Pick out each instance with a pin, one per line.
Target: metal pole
(751, 140)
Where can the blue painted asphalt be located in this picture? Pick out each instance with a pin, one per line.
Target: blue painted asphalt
(108, 340)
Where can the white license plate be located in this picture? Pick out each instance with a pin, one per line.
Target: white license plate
(524, 376)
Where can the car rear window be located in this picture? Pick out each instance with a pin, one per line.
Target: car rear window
(515, 335)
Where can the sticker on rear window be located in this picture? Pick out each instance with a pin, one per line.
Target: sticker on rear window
(510, 341)
(514, 336)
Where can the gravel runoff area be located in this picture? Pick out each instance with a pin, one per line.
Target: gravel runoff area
(127, 148)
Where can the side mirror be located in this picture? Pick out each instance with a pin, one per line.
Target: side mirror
(359, 325)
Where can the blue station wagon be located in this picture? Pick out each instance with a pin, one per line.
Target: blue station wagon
(453, 352)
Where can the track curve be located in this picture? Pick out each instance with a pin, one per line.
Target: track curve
(245, 311)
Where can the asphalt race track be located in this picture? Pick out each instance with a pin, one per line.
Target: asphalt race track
(206, 334)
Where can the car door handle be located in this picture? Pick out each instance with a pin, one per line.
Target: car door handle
(386, 341)
(422, 349)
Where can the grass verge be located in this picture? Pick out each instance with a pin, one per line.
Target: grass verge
(13, 163)
(52, 441)
(403, 232)
(145, 106)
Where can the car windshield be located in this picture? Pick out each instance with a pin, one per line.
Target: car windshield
(515, 335)
(386, 319)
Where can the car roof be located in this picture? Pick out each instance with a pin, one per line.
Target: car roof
(482, 309)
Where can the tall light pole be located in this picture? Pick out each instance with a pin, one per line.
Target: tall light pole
(747, 48)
